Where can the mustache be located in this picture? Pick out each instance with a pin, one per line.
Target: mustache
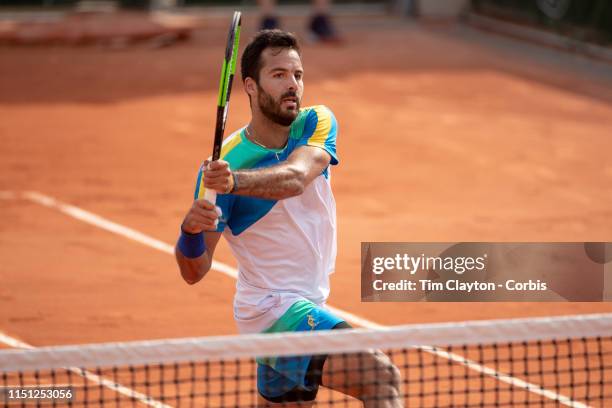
(289, 94)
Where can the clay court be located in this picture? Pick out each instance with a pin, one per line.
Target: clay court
(446, 133)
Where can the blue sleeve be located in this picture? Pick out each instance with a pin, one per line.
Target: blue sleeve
(321, 130)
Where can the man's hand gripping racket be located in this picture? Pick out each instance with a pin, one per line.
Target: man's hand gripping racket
(225, 88)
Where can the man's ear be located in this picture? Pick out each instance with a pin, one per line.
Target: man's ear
(250, 86)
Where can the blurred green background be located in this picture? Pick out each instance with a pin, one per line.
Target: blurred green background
(586, 20)
(583, 20)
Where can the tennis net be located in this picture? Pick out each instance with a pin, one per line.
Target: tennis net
(542, 362)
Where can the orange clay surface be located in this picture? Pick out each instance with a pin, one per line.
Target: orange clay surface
(446, 134)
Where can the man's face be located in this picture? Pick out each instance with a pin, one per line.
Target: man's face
(280, 87)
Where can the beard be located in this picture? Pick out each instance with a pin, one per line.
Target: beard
(272, 108)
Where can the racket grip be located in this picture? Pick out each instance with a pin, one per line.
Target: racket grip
(210, 196)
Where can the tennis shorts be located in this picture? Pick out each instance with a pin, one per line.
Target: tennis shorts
(296, 378)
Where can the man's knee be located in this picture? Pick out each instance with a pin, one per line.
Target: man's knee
(370, 377)
(383, 380)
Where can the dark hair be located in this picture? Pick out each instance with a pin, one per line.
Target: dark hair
(251, 57)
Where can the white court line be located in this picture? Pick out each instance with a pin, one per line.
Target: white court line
(516, 382)
(134, 235)
(16, 343)
(13, 342)
(100, 222)
(7, 195)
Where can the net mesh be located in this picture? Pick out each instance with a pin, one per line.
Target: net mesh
(542, 362)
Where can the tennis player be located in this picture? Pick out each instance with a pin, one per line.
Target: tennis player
(276, 210)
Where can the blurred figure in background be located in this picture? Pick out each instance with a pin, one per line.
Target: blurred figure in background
(320, 26)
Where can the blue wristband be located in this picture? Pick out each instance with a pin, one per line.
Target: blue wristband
(191, 245)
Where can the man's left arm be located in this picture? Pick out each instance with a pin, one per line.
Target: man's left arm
(284, 180)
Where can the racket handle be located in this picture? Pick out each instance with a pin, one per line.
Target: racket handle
(210, 196)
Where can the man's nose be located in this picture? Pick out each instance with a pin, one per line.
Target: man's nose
(292, 83)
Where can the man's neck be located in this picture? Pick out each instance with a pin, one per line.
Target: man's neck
(264, 132)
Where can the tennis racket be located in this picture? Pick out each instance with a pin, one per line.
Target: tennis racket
(228, 69)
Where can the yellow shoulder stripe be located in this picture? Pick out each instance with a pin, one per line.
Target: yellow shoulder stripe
(321, 132)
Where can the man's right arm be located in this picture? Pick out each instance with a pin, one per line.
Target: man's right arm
(196, 245)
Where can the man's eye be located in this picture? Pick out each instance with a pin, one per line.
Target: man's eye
(278, 75)
(298, 76)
